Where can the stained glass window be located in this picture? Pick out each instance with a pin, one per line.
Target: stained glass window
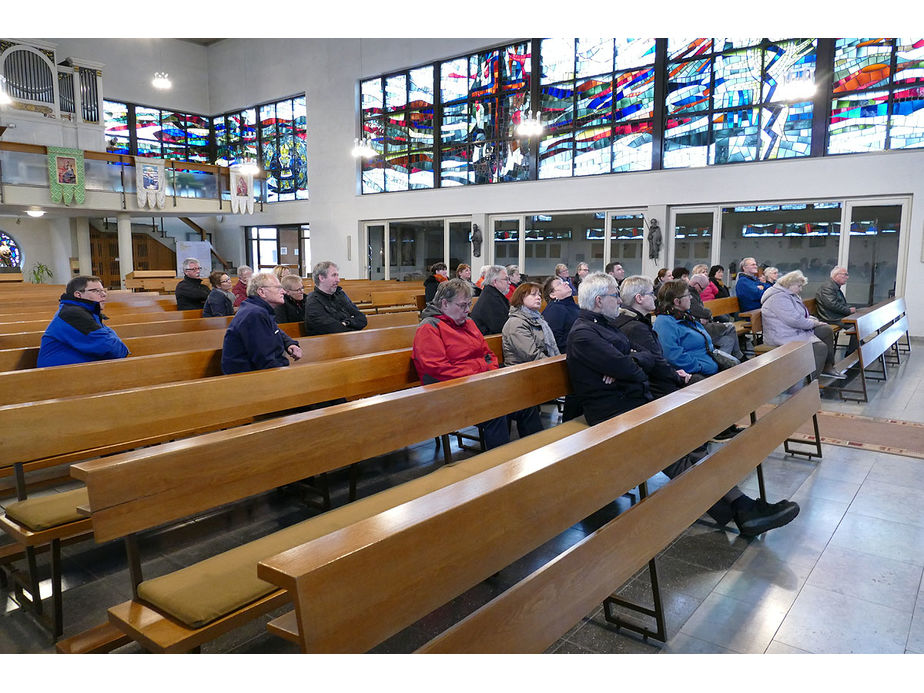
(579, 113)
(283, 157)
(754, 93)
(117, 127)
(11, 256)
(872, 106)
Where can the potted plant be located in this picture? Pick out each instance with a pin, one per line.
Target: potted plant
(41, 272)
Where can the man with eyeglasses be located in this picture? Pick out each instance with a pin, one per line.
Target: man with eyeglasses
(77, 334)
(449, 345)
(492, 308)
(190, 293)
(253, 340)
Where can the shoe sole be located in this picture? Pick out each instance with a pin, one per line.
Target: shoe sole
(773, 522)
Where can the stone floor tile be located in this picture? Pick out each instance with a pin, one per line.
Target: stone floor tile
(734, 624)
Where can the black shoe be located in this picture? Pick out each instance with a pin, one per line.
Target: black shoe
(764, 517)
(727, 434)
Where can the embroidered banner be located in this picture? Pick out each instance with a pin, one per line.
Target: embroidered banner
(241, 192)
(150, 182)
(65, 175)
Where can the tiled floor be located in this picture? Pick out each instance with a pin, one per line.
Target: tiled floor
(844, 577)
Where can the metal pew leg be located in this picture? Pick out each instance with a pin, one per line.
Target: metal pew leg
(657, 612)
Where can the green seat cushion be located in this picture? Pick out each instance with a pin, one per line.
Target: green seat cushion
(48, 511)
(206, 591)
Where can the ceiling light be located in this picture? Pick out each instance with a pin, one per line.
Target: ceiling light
(161, 80)
(530, 126)
(363, 148)
(247, 167)
(35, 213)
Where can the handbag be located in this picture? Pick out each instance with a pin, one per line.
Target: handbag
(723, 359)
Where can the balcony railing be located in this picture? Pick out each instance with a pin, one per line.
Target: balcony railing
(27, 165)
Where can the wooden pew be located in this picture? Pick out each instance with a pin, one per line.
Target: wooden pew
(27, 357)
(118, 319)
(86, 427)
(729, 306)
(126, 331)
(339, 435)
(83, 379)
(879, 329)
(359, 584)
(393, 301)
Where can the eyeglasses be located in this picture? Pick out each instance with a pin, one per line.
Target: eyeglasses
(611, 295)
(685, 296)
(226, 281)
(94, 291)
(465, 306)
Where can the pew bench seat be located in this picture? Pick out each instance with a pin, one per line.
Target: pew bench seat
(47, 512)
(179, 611)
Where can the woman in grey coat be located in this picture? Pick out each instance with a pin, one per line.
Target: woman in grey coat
(786, 319)
(526, 335)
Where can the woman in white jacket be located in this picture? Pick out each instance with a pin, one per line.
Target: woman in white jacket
(786, 319)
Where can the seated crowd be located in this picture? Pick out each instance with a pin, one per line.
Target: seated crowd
(626, 340)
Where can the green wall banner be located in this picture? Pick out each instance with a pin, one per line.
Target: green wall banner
(65, 175)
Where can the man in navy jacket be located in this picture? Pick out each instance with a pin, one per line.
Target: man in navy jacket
(77, 334)
(253, 340)
(747, 288)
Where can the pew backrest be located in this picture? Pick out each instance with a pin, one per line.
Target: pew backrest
(405, 562)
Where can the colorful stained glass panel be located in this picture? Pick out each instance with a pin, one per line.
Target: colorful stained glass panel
(556, 156)
(484, 73)
(395, 92)
(688, 86)
(594, 56)
(420, 170)
(734, 137)
(516, 67)
(686, 48)
(594, 103)
(858, 123)
(909, 65)
(556, 59)
(454, 80)
(455, 123)
(420, 129)
(557, 107)
(593, 151)
(786, 131)
(420, 92)
(372, 101)
(906, 130)
(632, 147)
(634, 52)
(454, 168)
(635, 95)
(686, 142)
(737, 78)
(789, 70)
(861, 63)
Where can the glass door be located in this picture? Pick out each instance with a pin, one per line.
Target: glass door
(873, 250)
(505, 243)
(376, 262)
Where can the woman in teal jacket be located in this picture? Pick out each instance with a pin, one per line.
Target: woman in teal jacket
(685, 342)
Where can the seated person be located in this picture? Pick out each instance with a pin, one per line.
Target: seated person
(253, 340)
(716, 276)
(244, 273)
(831, 305)
(76, 334)
(611, 374)
(685, 342)
(464, 272)
(771, 274)
(292, 308)
(583, 269)
(786, 319)
(491, 311)
(438, 273)
(560, 310)
(722, 332)
(526, 334)
(190, 293)
(449, 345)
(220, 300)
(748, 287)
(328, 309)
(513, 276)
(563, 273)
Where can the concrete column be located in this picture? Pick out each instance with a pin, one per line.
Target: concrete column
(60, 241)
(84, 258)
(126, 256)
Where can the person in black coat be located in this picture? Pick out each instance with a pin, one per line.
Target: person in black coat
(190, 293)
(560, 310)
(292, 308)
(438, 274)
(328, 309)
(492, 308)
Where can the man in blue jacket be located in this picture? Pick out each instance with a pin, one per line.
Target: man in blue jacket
(747, 288)
(253, 340)
(77, 334)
